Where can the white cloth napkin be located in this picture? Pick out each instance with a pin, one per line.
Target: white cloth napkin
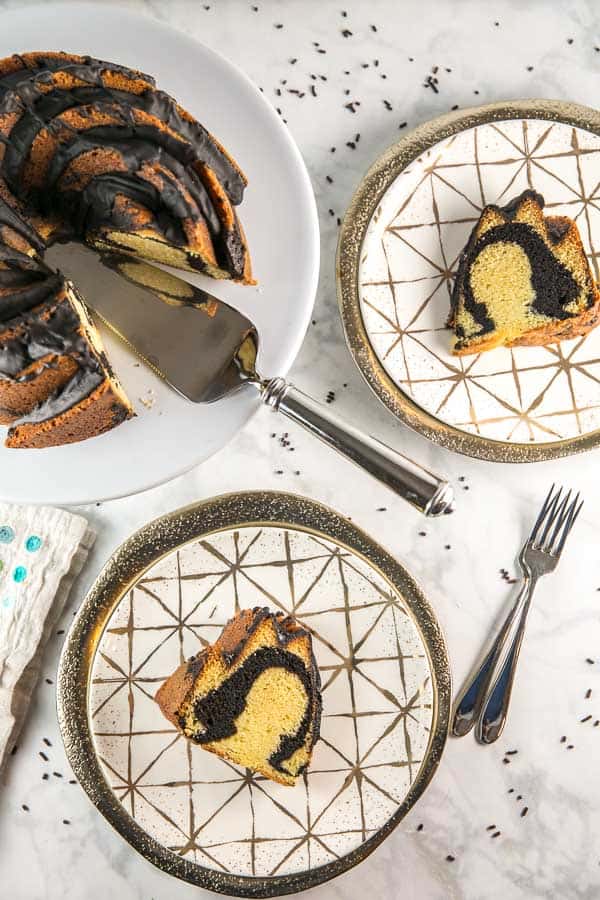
(42, 550)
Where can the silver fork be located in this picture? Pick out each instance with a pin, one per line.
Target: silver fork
(539, 556)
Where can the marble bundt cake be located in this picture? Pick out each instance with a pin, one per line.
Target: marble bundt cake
(252, 697)
(523, 279)
(56, 385)
(94, 151)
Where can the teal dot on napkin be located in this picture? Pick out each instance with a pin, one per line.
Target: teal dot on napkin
(33, 543)
(20, 574)
(6, 602)
(6, 534)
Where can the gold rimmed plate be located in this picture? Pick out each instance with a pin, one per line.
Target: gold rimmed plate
(397, 255)
(168, 591)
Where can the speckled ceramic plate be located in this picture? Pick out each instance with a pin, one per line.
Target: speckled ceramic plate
(397, 256)
(386, 692)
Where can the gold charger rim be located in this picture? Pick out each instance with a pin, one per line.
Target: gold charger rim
(365, 200)
(127, 564)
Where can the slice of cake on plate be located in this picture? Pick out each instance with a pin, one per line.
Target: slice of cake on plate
(523, 279)
(253, 697)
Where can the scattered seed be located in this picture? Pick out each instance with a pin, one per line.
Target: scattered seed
(511, 752)
(66, 822)
(586, 718)
(420, 827)
(524, 811)
(563, 738)
(490, 828)
(25, 807)
(43, 755)
(588, 693)
(450, 858)
(346, 32)
(496, 834)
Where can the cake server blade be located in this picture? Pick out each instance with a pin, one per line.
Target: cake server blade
(205, 349)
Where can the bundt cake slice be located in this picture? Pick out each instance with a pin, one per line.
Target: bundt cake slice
(523, 279)
(75, 393)
(55, 382)
(100, 148)
(252, 697)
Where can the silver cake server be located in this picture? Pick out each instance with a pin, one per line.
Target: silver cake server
(205, 349)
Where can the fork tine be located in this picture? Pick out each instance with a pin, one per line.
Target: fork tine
(542, 514)
(554, 514)
(549, 518)
(562, 516)
(571, 521)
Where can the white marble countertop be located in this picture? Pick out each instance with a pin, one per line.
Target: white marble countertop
(484, 53)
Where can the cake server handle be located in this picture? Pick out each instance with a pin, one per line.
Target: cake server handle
(422, 488)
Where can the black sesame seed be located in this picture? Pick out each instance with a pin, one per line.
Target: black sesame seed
(24, 807)
(530, 68)
(387, 104)
(279, 25)
(346, 32)
(420, 827)
(373, 27)
(45, 776)
(450, 858)
(402, 125)
(329, 179)
(563, 739)
(588, 693)
(43, 755)
(524, 811)
(57, 774)
(590, 661)
(569, 40)
(66, 822)
(511, 752)
(496, 834)
(47, 742)
(586, 718)
(490, 828)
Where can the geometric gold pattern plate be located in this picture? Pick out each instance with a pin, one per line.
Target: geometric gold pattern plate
(167, 592)
(398, 255)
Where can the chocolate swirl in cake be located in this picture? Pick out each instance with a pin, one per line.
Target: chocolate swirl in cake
(253, 696)
(218, 710)
(523, 279)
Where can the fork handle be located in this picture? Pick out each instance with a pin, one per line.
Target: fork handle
(425, 490)
(470, 702)
(493, 718)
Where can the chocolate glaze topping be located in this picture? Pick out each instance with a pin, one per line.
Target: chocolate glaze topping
(24, 89)
(165, 141)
